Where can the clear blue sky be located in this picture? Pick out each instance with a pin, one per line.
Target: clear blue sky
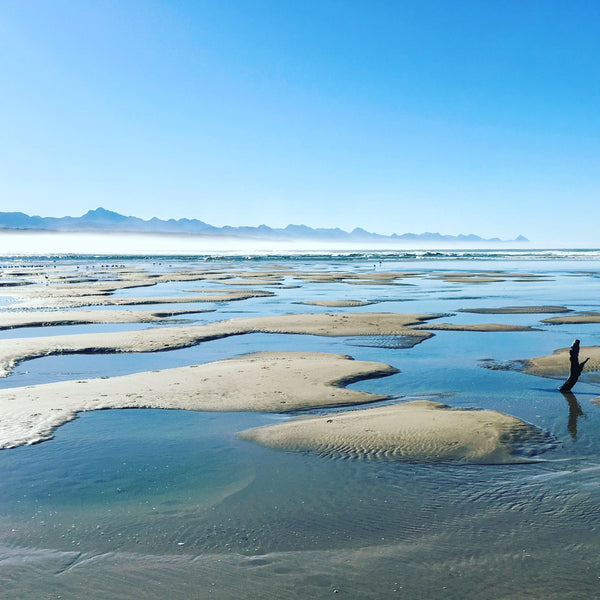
(452, 116)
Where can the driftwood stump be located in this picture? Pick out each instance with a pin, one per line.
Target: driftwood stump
(576, 368)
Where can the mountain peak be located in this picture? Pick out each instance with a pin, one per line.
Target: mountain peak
(101, 219)
(103, 213)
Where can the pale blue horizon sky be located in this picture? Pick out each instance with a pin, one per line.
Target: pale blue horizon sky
(459, 117)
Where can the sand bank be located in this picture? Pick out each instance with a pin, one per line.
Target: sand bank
(74, 300)
(55, 289)
(517, 310)
(474, 327)
(14, 319)
(556, 365)
(264, 381)
(470, 279)
(486, 277)
(580, 318)
(416, 431)
(155, 339)
(367, 278)
(336, 303)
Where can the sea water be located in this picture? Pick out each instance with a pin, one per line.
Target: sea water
(171, 504)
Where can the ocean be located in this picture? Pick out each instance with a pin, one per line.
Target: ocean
(171, 504)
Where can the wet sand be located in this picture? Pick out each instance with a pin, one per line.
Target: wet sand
(490, 327)
(516, 310)
(14, 319)
(336, 303)
(416, 431)
(266, 382)
(556, 365)
(581, 318)
(14, 351)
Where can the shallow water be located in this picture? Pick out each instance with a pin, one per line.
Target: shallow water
(155, 504)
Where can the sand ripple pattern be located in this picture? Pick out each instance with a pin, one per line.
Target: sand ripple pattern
(265, 381)
(420, 430)
(171, 338)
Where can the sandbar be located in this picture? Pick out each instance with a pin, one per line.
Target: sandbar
(73, 300)
(556, 365)
(474, 327)
(579, 319)
(156, 339)
(264, 381)
(415, 431)
(55, 289)
(16, 319)
(470, 279)
(336, 303)
(516, 310)
(485, 277)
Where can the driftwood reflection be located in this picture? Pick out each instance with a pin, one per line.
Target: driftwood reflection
(575, 412)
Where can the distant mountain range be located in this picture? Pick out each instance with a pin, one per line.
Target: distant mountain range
(109, 221)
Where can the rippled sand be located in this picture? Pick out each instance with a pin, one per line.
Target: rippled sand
(556, 365)
(415, 431)
(170, 338)
(336, 303)
(516, 310)
(266, 381)
(474, 327)
(16, 319)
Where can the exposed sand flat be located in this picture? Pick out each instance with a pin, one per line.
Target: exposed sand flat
(556, 365)
(13, 319)
(486, 277)
(366, 278)
(474, 327)
(382, 276)
(375, 282)
(17, 350)
(322, 277)
(91, 284)
(416, 431)
(469, 279)
(580, 318)
(339, 324)
(532, 279)
(265, 381)
(336, 303)
(63, 289)
(204, 296)
(517, 310)
(75, 301)
(251, 281)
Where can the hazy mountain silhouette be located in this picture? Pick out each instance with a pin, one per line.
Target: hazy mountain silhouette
(109, 221)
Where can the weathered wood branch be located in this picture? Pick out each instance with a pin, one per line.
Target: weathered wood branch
(576, 368)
